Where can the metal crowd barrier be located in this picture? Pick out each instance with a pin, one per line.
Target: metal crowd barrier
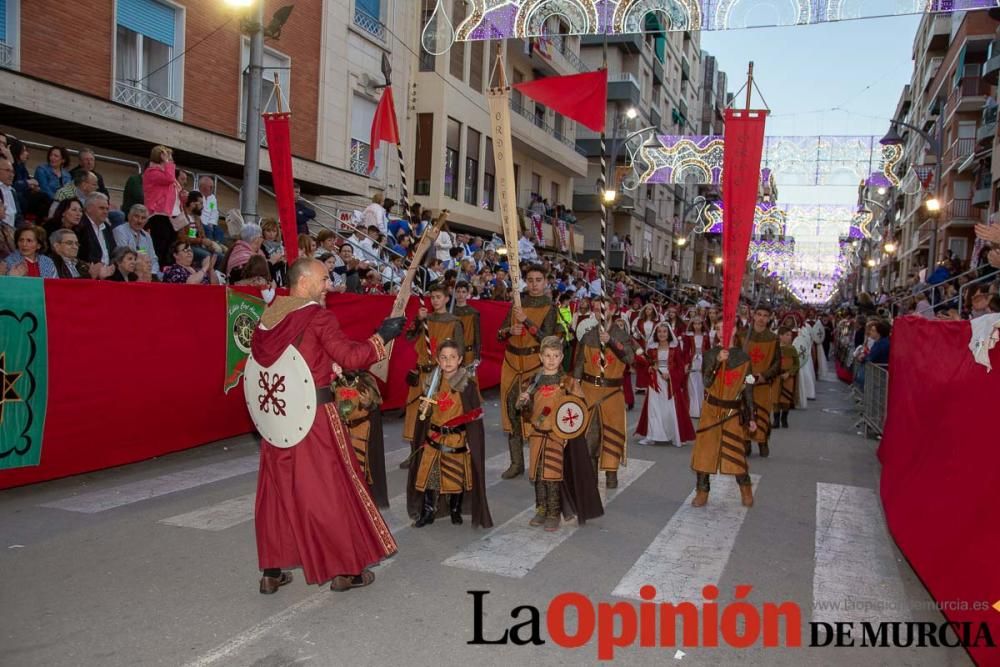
(876, 395)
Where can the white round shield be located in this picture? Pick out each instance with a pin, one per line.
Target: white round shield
(571, 417)
(281, 398)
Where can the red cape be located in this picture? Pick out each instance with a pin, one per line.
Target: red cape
(676, 364)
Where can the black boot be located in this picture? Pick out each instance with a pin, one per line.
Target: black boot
(776, 422)
(784, 419)
(429, 510)
(455, 505)
(748, 448)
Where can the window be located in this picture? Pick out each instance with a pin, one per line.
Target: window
(368, 17)
(516, 97)
(554, 194)
(9, 19)
(424, 154)
(517, 183)
(472, 167)
(539, 115)
(426, 11)
(536, 184)
(148, 34)
(490, 178)
(457, 55)
(362, 113)
(275, 63)
(476, 66)
(557, 123)
(959, 246)
(453, 145)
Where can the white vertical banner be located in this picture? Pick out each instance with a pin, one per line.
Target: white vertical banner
(503, 156)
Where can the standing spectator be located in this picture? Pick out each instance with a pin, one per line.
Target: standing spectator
(133, 192)
(160, 193)
(97, 241)
(181, 271)
(303, 211)
(443, 245)
(134, 236)
(31, 201)
(210, 210)
(526, 249)
(274, 250)
(65, 247)
(88, 162)
(28, 259)
(374, 214)
(194, 232)
(878, 332)
(54, 173)
(7, 194)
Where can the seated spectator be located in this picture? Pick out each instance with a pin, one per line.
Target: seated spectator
(134, 235)
(30, 198)
(346, 272)
(84, 184)
(393, 272)
(97, 241)
(161, 196)
(979, 302)
(65, 247)
(307, 247)
(303, 211)
(327, 241)
(54, 173)
(8, 195)
(364, 248)
(251, 239)
(88, 162)
(7, 244)
(994, 303)
(401, 227)
(193, 233)
(181, 271)
(67, 215)
(28, 259)
(372, 283)
(255, 273)
(123, 262)
(274, 250)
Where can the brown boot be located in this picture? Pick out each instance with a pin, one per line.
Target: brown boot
(270, 585)
(611, 479)
(552, 524)
(765, 450)
(516, 468)
(746, 495)
(700, 498)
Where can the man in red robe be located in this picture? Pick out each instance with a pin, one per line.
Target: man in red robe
(313, 506)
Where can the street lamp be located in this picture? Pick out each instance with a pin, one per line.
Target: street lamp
(717, 261)
(610, 196)
(871, 263)
(892, 138)
(889, 247)
(682, 241)
(253, 25)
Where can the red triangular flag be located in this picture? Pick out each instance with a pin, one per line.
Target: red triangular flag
(383, 126)
(582, 97)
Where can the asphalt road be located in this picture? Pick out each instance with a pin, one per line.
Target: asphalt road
(155, 564)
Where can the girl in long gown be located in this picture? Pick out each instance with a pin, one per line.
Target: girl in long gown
(696, 342)
(644, 333)
(665, 413)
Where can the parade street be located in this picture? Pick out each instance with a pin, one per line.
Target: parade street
(156, 564)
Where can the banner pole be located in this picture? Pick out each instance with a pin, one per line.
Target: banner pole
(604, 221)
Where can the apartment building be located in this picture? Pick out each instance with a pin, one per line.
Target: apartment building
(121, 76)
(659, 75)
(951, 96)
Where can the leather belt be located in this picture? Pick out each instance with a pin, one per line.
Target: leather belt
(721, 403)
(605, 382)
(356, 422)
(446, 449)
(523, 351)
(448, 430)
(427, 368)
(324, 395)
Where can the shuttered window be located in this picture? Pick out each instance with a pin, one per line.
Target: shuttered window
(3, 20)
(149, 18)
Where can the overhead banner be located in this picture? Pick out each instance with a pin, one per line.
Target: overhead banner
(24, 374)
(279, 147)
(243, 312)
(503, 157)
(740, 182)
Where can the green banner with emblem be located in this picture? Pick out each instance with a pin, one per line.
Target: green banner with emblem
(24, 372)
(243, 312)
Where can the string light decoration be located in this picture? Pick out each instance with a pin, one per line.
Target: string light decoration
(503, 19)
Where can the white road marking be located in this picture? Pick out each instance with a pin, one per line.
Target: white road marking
(146, 489)
(855, 576)
(219, 516)
(514, 548)
(693, 548)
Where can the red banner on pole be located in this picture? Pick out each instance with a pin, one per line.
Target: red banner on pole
(582, 97)
(744, 138)
(279, 147)
(384, 126)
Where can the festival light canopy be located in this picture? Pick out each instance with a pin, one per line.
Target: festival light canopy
(503, 19)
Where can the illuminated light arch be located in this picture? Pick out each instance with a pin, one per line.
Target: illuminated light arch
(532, 15)
(801, 8)
(692, 164)
(464, 29)
(630, 15)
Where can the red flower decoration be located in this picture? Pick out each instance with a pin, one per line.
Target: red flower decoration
(347, 393)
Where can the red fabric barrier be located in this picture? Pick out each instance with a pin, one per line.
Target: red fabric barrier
(136, 371)
(941, 467)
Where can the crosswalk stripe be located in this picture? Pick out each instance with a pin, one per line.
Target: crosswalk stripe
(219, 516)
(146, 489)
(855, 576)
(693, 548)
(394, 457)
(514, 548)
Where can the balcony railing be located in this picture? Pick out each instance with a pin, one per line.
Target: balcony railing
(541, 124)
(6, 55)
(962, 148)
(560, 44)
(961, 208)
(623, 76)
(146, 100)
(369, 24)
(359, 158)
(263, 133)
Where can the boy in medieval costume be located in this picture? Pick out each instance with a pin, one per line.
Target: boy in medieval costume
(601, 384)
(760, 343)
(522, 330)
(358, 400)
(429, 329)
(726, 418)
(469, 317)
(784, 388)
(559, 466)
(451, 443)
